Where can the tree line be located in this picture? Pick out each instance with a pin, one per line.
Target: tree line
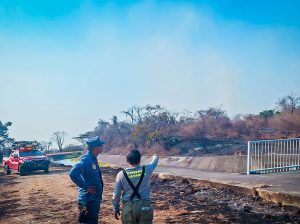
(154, 128)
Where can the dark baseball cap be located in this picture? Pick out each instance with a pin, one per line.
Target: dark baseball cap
(95, 141)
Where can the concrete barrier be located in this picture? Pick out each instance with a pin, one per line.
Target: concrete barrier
(229, 164)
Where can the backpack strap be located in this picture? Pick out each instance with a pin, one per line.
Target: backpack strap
(135, 189)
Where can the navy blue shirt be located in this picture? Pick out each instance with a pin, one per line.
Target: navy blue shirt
(87, 173)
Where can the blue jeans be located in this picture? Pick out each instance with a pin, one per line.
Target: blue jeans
(93, 208)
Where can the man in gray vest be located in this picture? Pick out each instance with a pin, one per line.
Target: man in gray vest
(133, 184)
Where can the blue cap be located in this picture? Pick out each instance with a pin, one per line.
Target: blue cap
(93, 142)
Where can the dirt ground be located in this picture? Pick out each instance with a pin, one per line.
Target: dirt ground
(51, 198)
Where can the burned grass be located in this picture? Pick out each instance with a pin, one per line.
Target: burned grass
(51, 198)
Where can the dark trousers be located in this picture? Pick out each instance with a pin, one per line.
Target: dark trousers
(137, 212)
(92, 211)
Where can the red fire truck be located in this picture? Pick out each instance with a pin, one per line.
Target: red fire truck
(26, 156)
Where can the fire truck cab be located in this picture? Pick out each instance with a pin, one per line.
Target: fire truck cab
(26, 156)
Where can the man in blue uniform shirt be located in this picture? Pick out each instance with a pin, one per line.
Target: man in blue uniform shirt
(86, 174)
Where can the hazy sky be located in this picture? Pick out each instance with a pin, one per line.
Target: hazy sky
(66, 64)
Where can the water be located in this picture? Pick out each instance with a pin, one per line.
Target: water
(69, 162)
(66, 162)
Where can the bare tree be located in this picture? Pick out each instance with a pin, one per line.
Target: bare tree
(289, 103)
(135, 113)
(140, 113)
(129, 113)
(58, 137)
(45, 145)
(154, 110)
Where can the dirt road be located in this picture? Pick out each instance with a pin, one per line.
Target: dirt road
(51, 198)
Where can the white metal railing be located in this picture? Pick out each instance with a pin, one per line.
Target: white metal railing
(265, 156)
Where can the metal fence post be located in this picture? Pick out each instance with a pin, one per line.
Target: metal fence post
(248, 159)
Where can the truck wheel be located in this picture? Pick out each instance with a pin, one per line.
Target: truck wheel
(22, 171)
(46, 170)
(6, 170)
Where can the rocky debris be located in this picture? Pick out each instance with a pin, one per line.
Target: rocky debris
(204, 204)
(247, 208)
(262, 186)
